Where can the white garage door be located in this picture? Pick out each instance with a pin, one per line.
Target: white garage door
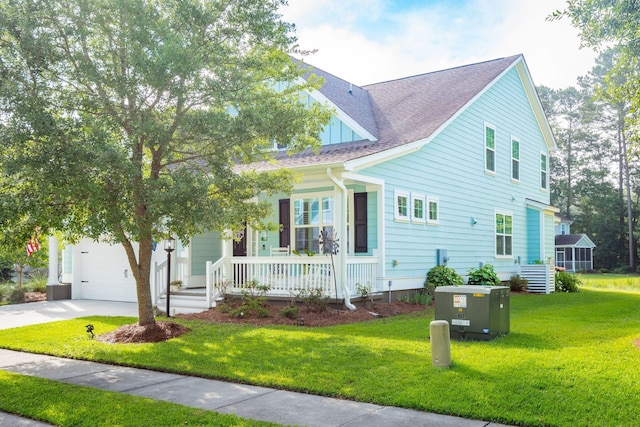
(104, 273)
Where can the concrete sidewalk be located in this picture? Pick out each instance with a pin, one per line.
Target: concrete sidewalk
(246, 401)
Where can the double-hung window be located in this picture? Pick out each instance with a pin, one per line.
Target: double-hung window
(504, 234)
(544, 182)
(515, 159)
(489, 148)
(417, 208)
(433, 210)
(401, 205)
(312, 215)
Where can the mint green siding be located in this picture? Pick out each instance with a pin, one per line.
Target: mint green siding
(337, 131)
(204, 247)
(451, 167)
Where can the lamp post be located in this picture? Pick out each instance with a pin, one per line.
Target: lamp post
(169, 246)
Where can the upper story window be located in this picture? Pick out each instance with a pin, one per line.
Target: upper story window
(489, 148)
(515, 159)
(544, 182)
(433, 210)
(401, 205)
(417, 208)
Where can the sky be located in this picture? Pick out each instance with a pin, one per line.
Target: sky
(370, 41)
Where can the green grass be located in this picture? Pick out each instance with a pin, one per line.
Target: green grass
(71, 405)
(623, 282)
(569, 360)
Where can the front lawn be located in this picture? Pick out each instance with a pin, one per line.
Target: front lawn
(569, 360)
(71, 405)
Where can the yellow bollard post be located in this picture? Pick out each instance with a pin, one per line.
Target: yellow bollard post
(440, 344)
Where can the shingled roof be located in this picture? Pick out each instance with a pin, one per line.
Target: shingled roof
(396, 112)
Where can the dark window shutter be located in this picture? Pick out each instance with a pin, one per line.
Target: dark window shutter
(285, 222)
(360, 221)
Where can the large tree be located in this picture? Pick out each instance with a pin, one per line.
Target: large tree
(604, 24)
(127, 117)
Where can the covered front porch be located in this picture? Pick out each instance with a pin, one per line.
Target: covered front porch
(284, 276)
(287, 256)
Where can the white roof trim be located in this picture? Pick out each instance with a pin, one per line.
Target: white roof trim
(532, 95)
(347, 119)
(536, 105)
(386, 155)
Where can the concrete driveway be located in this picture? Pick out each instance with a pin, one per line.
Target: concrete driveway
(15, 315)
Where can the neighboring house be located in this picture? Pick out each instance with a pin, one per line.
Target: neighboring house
(574, 252)
(445, 167)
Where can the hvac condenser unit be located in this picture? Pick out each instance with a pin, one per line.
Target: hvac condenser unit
(474, 312)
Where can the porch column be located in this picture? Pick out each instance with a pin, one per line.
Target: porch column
(53, 261)
(340, 222)
(55, 290)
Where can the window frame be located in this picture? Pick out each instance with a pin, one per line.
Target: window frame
(503, 234)
(417, 197)
(515, 161)
(398, 216)
(320, 225)
(488, 149)
(436, 200)
(544, 172)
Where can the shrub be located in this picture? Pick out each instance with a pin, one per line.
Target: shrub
(441, 275)
(418, 298)
(254, 301)
(290, 312)
(37, 282)
(16, 296)
(567, 282)
(365, 291)
(484, 276)
(517, 283)
(313, 299)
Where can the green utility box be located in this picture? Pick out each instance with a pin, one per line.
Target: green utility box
(474, 312)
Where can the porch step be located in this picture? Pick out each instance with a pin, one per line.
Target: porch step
(184, 303)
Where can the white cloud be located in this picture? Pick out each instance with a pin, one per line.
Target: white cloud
(373, 40)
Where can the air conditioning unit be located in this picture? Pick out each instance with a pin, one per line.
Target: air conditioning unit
(474, 312)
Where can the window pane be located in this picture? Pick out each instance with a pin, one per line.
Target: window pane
(499, 245)
(327, 210)
(418, 208)
(515, 169)
(433, 211)
(507, 246)
(499, 223)
(490, 137)
(515, 150)
(402, 205)
(307, 238)
(490, 160)
(508, 219)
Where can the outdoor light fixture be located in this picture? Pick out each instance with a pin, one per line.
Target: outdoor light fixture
(169, 246)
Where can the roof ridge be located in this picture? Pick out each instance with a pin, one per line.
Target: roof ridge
(513, 57)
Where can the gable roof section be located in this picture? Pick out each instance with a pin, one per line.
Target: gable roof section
(405, 114)
(574, 241)
(350, 99)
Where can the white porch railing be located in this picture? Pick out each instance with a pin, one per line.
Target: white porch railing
(159, 280)
(287, 276)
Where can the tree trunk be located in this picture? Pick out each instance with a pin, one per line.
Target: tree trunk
(141, 269)
(632, 260)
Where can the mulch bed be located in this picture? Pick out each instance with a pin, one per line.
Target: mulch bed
(307, 317)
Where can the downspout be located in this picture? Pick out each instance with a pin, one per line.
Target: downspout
(343, 253)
